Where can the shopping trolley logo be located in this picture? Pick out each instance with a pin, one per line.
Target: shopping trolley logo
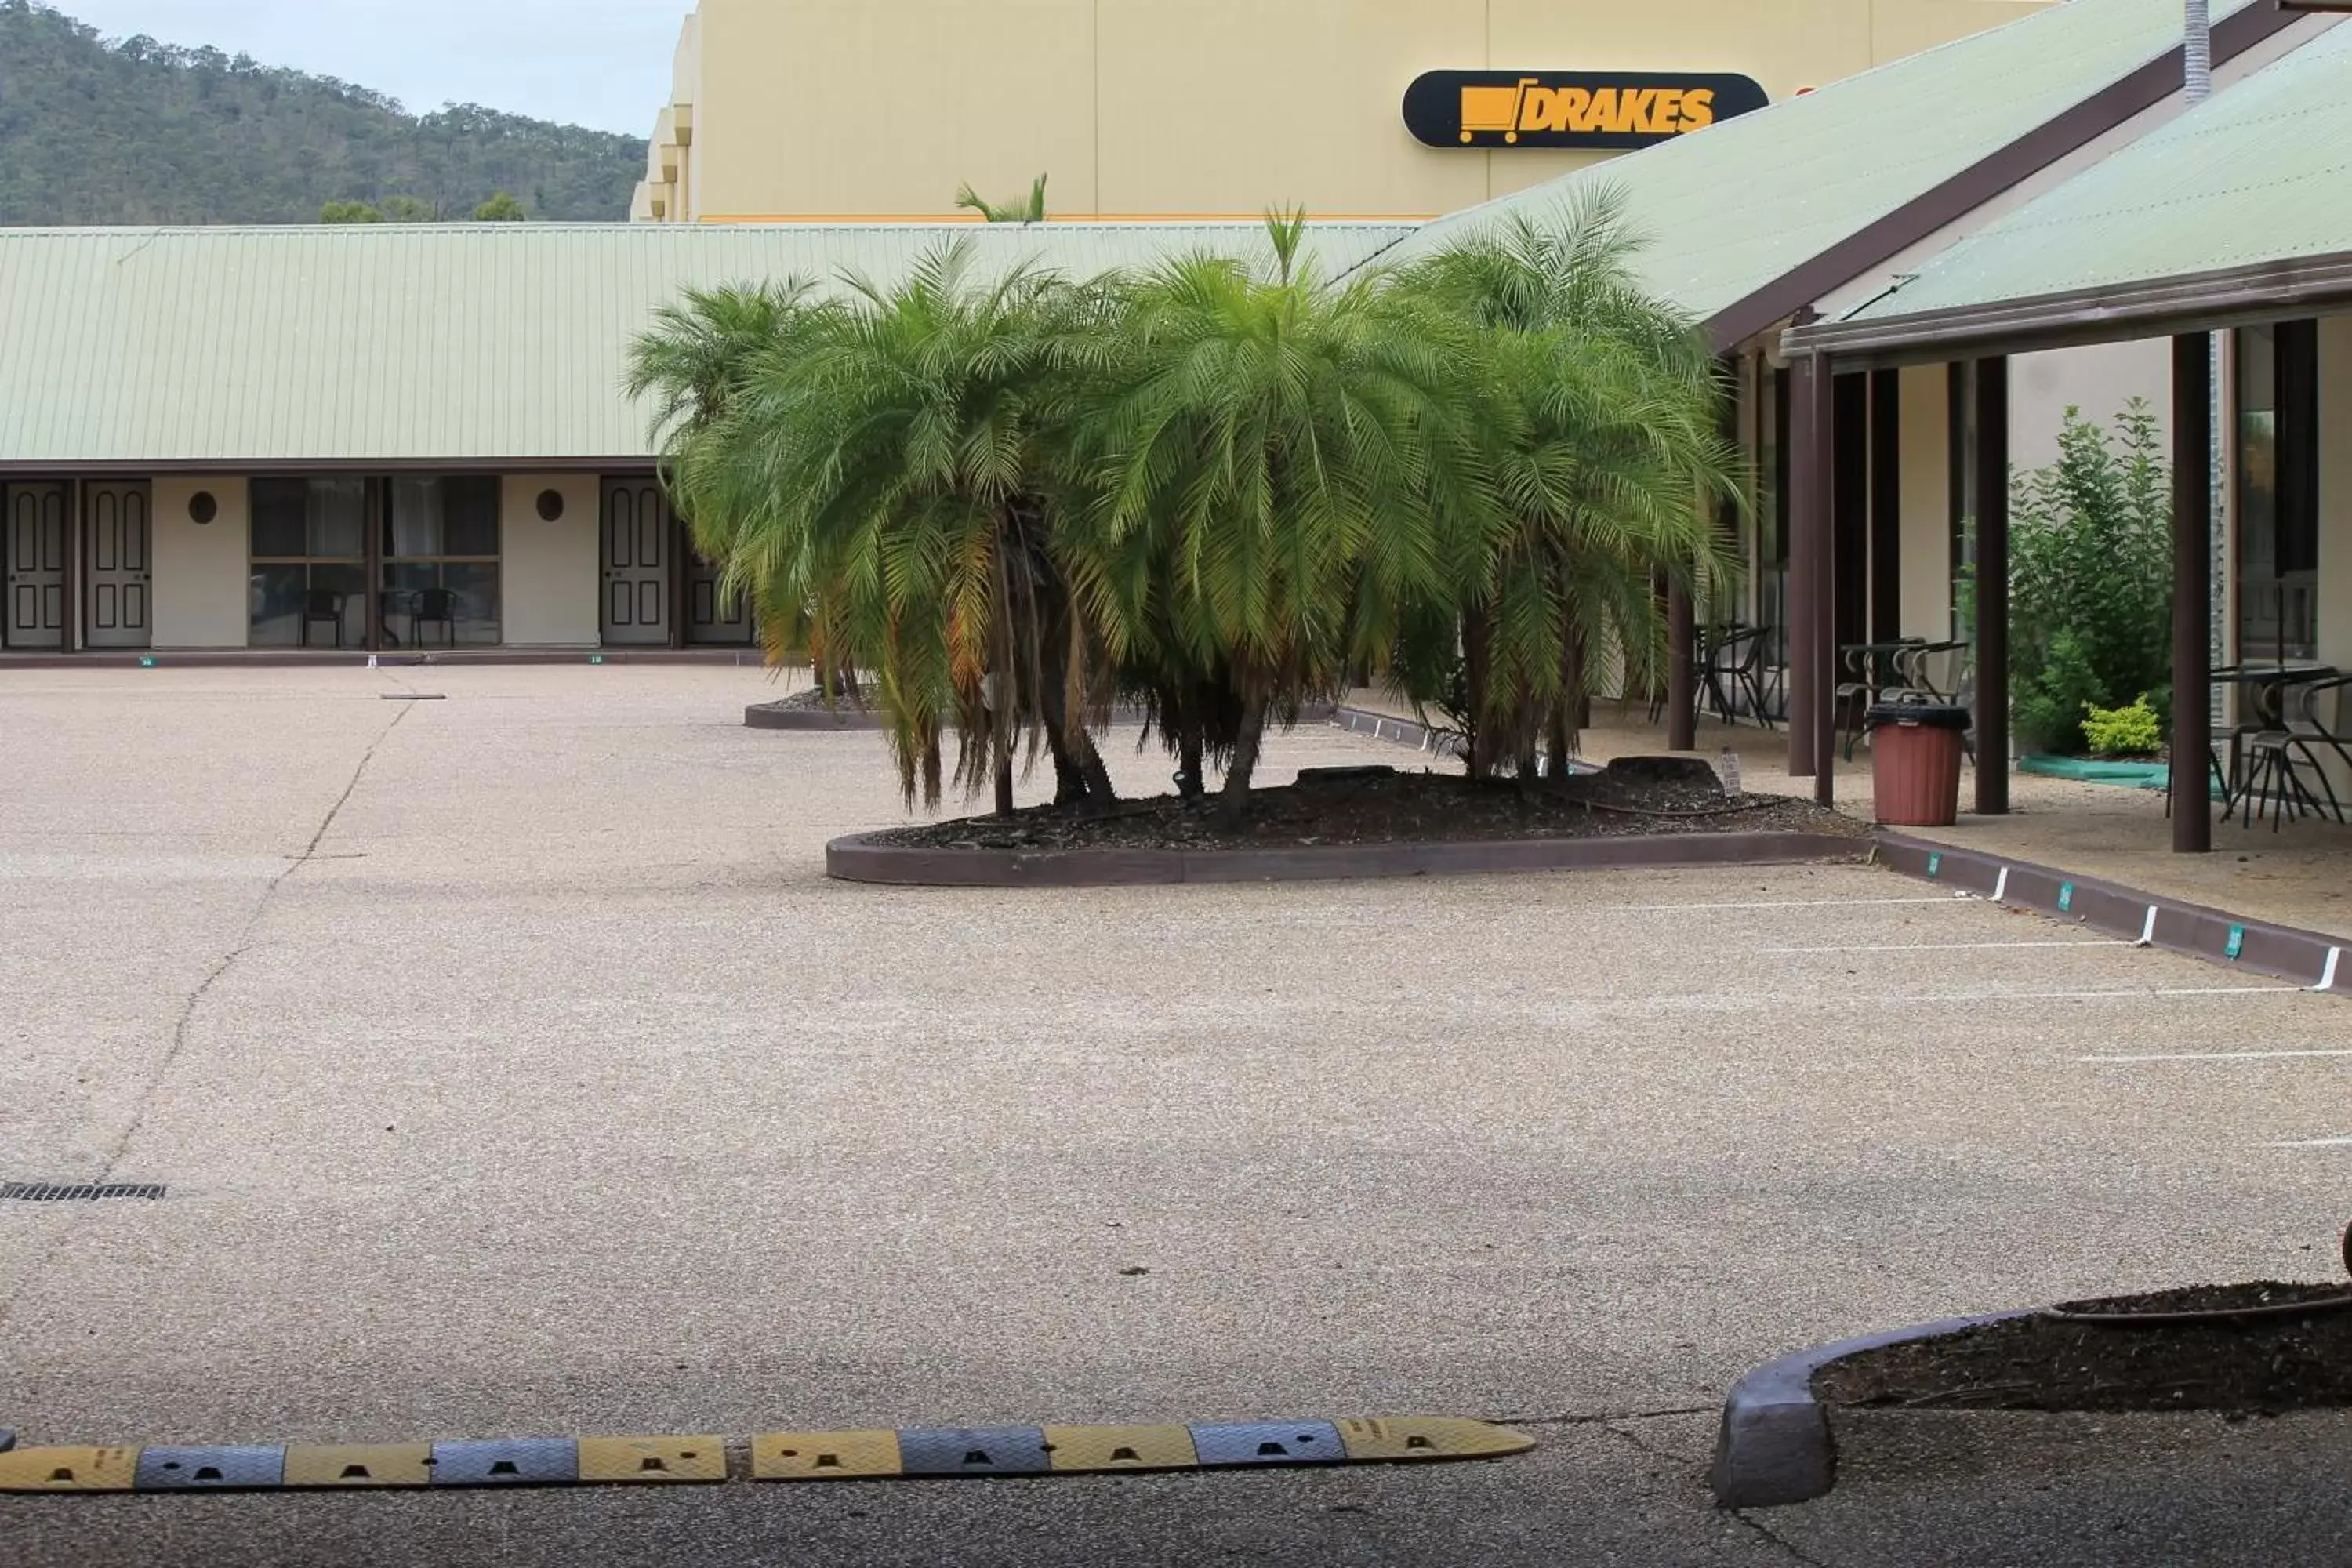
(1595, 111)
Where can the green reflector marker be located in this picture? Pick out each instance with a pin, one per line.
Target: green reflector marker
(2065, 897)
(1935, 865)
(2237, 941)
(147, 661)
(595, 658)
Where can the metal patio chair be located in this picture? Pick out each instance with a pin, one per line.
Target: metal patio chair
(434, 607)
(321, 605)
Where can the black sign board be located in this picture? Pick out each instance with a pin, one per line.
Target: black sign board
(1593, 110)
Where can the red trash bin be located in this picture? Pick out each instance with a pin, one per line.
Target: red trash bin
(1914, 753)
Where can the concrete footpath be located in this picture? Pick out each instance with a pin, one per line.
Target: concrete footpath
(513, 1070)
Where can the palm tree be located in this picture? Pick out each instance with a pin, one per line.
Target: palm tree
(1032, 211)
(1600, 418)
(887, 472)
(1266, 449)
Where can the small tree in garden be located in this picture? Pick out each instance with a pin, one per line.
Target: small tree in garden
(1275, 460)
(1224, 490)
(1601, 420)
(2091, 579)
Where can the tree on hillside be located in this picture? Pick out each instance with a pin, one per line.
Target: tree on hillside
(141, 132)
(500, 208)
(350, 211)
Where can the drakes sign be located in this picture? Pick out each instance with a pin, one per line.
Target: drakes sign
(1593, 110)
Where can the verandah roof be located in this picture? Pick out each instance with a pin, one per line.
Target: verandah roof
(2242, 207)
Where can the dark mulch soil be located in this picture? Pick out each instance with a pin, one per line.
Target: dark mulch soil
(2246, 1366)
(1384, 805)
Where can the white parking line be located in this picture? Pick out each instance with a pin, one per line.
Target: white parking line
(2222, 1056)
(1950, 946)
(2316, 1143)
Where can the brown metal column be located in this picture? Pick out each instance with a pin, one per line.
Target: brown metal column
(1808, 522)
(2192, 590)
(1993, 587)
(1828, 485)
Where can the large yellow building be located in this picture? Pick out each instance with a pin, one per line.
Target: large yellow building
(882, 108)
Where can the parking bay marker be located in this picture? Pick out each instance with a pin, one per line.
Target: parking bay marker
(2217, 1056)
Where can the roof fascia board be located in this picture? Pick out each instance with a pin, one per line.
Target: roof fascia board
(2194, 302)
(1953, 200)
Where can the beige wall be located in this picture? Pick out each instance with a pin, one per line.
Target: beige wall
(548, 571)
(1139, 108)
(200, 575)
(1926, 535)
(2099, 381)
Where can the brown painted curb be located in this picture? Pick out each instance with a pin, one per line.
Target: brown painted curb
(1774, 1446)
(780, 716)
(857, 858)
(2308, 958)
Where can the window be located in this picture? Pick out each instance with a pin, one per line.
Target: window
(441, 561)
(2278, 490)
(309, 581)
(1772, 552)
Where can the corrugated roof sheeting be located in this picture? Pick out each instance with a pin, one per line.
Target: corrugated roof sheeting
(439, 342)
(1727, 210)
(2261, 172)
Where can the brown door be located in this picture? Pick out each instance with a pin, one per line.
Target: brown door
(120, 594)
(636, 550)
(37, 566)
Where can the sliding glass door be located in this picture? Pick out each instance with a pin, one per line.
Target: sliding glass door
(408, 560)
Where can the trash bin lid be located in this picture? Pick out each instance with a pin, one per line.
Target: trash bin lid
(1934, 715)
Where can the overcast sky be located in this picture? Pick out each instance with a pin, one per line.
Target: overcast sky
(603, 63)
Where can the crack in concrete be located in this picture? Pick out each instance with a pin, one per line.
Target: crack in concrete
(1776, 1539)
(239, 947)
(1605, 1417)
(242, 945)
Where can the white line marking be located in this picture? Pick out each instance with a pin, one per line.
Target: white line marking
(1949, 947)
(2327, 975)
(2222, 1056)
(2000, 884)
(2147, 931)
(1780, 904)
(2316, 1143)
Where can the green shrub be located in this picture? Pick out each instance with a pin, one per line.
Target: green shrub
(2133, 732)
(2090, 579)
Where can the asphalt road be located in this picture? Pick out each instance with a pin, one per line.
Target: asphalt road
(514, 1071)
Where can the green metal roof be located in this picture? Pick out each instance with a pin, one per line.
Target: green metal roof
(1729, 210)
(434, 342)
(2261, 173)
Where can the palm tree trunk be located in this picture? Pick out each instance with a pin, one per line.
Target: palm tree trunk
(1474, 674)
(1192, 780)
(1245, 763)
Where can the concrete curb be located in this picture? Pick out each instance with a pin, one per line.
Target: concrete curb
(1775, 1448)
(857, 858)
(2149, 920)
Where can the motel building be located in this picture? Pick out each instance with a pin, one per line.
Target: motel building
(316, 444)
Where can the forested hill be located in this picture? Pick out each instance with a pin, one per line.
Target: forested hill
(138, 133)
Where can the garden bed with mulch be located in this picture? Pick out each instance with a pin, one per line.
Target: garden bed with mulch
(1640, 796)
(2252, 1349)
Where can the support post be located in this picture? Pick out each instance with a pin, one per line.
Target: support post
(1993, 587)
(1828, 484)
(1808, 521)
(1682, 672)
(2192, 575)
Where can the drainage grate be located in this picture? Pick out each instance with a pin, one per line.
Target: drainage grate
(55, 1191)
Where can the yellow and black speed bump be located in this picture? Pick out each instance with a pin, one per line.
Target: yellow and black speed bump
(877, 1454)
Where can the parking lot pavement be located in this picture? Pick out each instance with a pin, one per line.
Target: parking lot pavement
(514, 1071)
